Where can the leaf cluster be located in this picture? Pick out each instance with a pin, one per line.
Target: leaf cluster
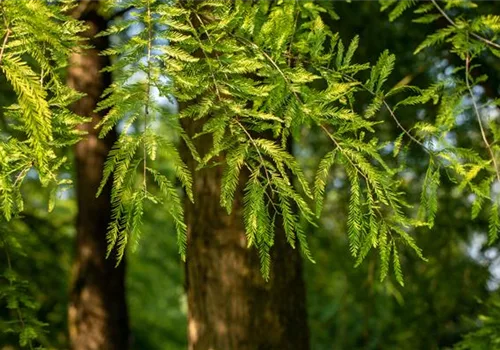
(37, 39)
(255, 76)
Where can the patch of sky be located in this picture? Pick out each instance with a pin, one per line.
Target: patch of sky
(489, 257)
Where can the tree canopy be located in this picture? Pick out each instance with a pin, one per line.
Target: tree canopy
(384, 156)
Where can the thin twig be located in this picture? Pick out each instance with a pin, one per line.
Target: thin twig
(7, 27)
(270, 59)
(478, 37)
(255, 146)
(391, 112)
(202, 24)
(398, 123)
(293, 34)
(197, 37)
(476, 112)
(4, 17)
(209, 37)
(342, 151)
(148, 92)
(274, 205)
(5, 39)
(300, 101)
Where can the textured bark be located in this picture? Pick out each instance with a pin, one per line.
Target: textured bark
(97, 314)
(230, 306)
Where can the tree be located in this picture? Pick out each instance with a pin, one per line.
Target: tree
(230, 304)
(97, 312)
(250, 76)
(37, 125)
(261, 314)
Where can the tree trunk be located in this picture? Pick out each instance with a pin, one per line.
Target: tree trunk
(97, 314)
(230, 306)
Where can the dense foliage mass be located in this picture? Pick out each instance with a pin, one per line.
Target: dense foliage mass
(257, 75)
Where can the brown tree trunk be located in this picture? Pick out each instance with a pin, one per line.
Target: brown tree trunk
(97, 314)
(230, 306)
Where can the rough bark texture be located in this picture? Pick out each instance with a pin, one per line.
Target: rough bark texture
(230, 306)
(97, 314)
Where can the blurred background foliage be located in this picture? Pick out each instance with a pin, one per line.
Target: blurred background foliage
(443, 301)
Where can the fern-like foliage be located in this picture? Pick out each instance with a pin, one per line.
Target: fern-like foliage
(476, 170)
(37, 39)
(16, 295)
(257, 75)
(138, 75)
(485, 328)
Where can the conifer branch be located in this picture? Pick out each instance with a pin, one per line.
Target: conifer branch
(251, 83)
(4, 44)
(330, 136)
(391, 112)
(295, 21)
(195, 33)
(4, 16)
(386, 105)
(270, 59)
(148, 92)
(478, 37)
(18, 309)
(478, 117)
(384, 192)
(7, 28)
(256, 149)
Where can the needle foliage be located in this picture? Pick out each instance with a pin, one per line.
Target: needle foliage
(253, 75)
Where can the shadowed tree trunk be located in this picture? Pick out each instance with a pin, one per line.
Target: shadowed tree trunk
(97, 313)
(230, 306)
